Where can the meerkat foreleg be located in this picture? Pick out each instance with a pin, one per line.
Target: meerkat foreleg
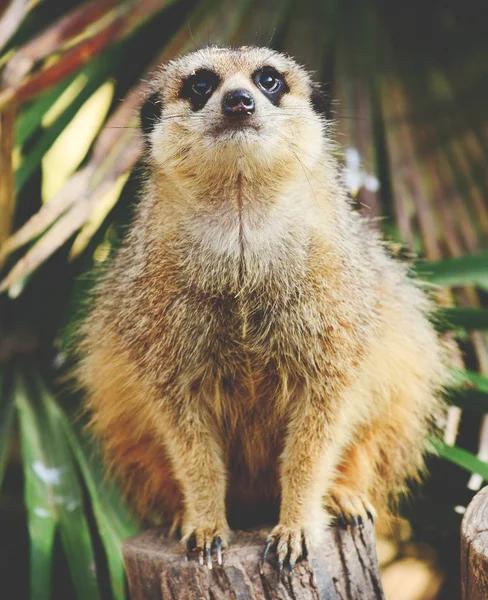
(196, 454)
(308, 464)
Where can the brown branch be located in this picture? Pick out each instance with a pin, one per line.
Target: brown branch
(116, 25)
(52, 39)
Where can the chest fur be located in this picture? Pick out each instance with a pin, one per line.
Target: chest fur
(245, 311)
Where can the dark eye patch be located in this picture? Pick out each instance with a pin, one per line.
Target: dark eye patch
(199, 87)
(321, 101)
(271, 83)
(151, 112)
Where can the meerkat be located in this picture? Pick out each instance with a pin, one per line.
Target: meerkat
(253, 345)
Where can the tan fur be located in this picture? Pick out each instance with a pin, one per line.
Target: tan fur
(253, 342)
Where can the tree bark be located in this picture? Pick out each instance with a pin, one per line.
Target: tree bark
(345, 569)
(474, 548)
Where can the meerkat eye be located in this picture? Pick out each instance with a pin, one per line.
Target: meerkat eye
(271, 83)
(269, 80)
(202, 87)
(199, 87)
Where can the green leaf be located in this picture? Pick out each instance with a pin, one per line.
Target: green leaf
(97, 73)
(468, 319)
(75, 533)
(114, 519)
(462, 458)
(469, 399)
(470, 377)
(464, 270)
(6, 422)
(39, 490)
(469, 390)
(53, 493)
(30, 119)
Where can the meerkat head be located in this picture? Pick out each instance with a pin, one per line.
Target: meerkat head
(223, 110)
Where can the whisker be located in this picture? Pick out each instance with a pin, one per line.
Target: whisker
(271, 37)
(191, 34)
(304, 172)
(308, 154)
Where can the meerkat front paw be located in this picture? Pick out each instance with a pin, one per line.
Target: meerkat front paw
(206, 541)
(289, 543)
(350, 506)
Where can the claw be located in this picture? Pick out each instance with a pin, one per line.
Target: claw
(208, 555)
(175, 531)
(360, 520)
(370, 516)
(218, 548)
(305, 552)
(289, 546)
(189, 548)
(354, 521)
(342, 520)
(265, 554)
(279, 569)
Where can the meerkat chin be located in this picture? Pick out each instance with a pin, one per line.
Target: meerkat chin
(253, 352)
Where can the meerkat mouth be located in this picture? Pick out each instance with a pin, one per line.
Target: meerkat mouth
(236, 129)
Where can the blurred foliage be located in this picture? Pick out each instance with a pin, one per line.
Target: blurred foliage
(409, 87)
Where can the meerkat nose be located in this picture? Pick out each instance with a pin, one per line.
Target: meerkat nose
(238, 103)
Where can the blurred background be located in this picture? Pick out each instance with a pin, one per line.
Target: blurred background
(409, 88)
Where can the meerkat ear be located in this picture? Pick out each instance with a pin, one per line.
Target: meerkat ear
(321, 101)
(150, 112)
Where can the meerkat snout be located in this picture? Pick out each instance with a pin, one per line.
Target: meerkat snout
(238, 103)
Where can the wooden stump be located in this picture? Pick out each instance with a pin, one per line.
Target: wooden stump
(346, 569)
(474, 548)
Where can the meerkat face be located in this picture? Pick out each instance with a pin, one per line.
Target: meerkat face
(220, 107)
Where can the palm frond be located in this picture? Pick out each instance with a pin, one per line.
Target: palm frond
(114, 519)
(53, 494)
